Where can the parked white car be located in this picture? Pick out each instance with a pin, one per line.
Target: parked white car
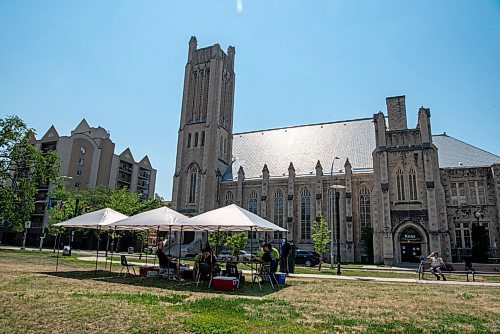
(245, 256)
(224, 256)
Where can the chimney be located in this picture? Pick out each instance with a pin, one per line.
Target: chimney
(396, 110)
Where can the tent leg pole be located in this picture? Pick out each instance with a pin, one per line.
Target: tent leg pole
(157, 238)
(147, 245)
(169, 239)
(179, 262)
(106, 252)
(97, 252)
(58, 237)
(251, 252)
(112, 250)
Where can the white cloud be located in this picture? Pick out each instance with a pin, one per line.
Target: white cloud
(239, 6)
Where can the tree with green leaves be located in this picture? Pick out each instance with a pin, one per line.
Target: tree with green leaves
(23, 169)
(321, 238)
(236, 243)
(217, 239)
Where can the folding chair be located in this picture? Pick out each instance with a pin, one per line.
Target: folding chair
(232, 271)
(266, 276)
(125, 264)
(203, 273)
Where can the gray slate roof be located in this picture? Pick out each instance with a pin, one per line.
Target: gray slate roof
(354, 139)
(456, 153)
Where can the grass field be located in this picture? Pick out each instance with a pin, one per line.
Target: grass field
(36, 299)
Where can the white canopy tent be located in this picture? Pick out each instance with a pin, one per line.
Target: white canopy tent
(100, 219)
(94, 220)
(232, 218)
(160, 219)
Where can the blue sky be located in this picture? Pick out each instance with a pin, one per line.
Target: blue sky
(120, 65)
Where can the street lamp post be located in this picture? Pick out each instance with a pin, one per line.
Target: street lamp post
(72, 233)
(336, 197)
(331, 218)
(337, 214)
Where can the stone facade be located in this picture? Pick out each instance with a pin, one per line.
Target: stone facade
(411, 203)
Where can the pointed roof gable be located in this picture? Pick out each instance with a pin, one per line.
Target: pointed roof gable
(82, 127)
(145, 162)
(127, 155)
(50, 135)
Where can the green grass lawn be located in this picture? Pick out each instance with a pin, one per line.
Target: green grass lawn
(36, 299)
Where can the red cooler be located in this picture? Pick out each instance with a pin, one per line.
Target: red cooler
(223, 283)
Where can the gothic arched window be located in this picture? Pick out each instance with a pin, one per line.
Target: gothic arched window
(400, 182)
(229, 198)
(412, 178)
(305, 214)
(278, 212)
(365, 217)
(193, 184)
(252, 202)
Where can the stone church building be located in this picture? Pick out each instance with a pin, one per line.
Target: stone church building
(417, 191)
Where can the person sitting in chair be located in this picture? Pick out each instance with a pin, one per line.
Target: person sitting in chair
(162, 257)
(436, 265)
(268, 257)
(207, 264)
(167, 262)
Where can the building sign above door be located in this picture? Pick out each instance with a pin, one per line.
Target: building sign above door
(410, 234)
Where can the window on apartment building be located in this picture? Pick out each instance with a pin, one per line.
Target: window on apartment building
(81, 161)
(196, 139)
(400, 183)
(189, 140)
(225, 147)
(202, 138)
(78, 173)
(83, 150)
(412, 181)
(229, 198)
(458, 195)
(305, 214)
(364, 207)
(278, 213)
(252, 202)
(77, 185)
(476, 192)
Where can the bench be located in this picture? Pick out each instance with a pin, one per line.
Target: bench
(484, 269)
(470, 272)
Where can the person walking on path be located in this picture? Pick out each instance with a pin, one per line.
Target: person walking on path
(436, 265)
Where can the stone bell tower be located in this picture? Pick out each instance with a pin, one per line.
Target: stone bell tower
(204, 145)
(409, 204)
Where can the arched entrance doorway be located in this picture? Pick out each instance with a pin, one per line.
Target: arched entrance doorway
(410, 242)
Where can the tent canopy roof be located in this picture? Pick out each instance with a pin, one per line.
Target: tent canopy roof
(96, 219)
(161, 218)
(230, 218)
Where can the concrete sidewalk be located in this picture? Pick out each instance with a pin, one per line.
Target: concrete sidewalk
(394, 280)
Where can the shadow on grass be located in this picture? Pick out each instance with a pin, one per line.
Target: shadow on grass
(248, 289)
